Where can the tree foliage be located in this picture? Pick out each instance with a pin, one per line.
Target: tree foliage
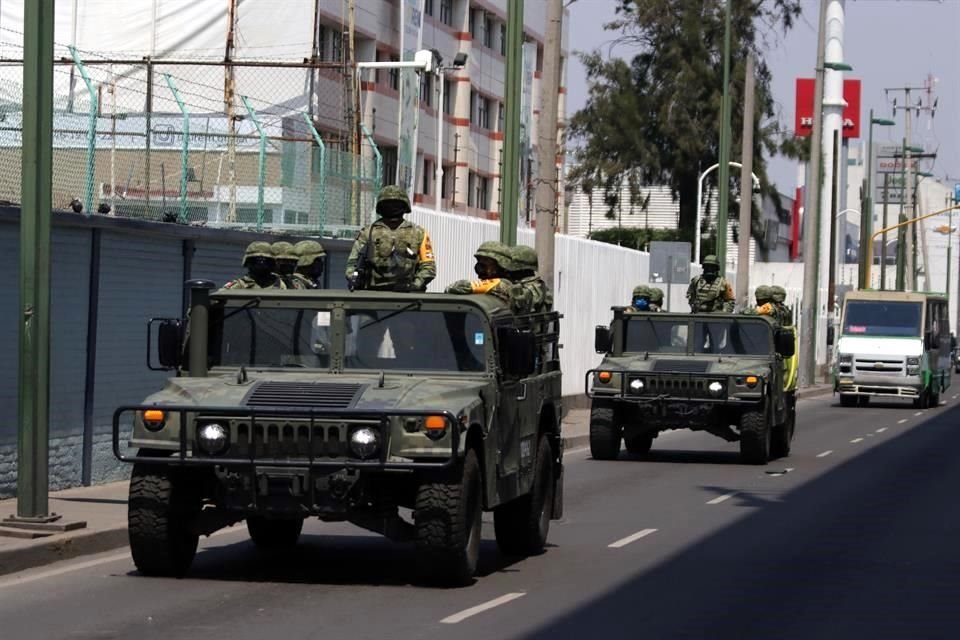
(633, 237)
(655, 118)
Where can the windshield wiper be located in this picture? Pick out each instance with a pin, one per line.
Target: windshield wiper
(250, 305)
(403, 309)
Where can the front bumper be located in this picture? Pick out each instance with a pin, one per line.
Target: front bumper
(304, 438)
(900, 386)
(689, 388)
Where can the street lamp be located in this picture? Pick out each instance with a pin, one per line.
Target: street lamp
(696, 240)
(866, 221)
(837, 66)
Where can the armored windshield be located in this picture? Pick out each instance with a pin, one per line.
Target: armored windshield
(258, 336)
(732, 337)
(646, 334)
(726, 336)
(882, 318)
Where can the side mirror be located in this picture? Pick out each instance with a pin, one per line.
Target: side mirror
(602, 339)
(786, 346)
(169, 336)
(831, 336)
(518, 351)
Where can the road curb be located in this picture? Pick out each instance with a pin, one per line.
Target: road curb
(815, 392)
(575, 442)
(45, 552)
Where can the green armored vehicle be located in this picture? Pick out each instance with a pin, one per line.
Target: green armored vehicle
(291, 404)
(725, 374)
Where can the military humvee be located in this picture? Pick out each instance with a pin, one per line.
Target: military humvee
(720, 373)
(347, 407)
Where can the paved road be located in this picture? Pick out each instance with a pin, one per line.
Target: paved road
(852, 536)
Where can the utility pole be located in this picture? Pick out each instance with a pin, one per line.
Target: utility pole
(511, 123)
(746, 188)
(229, 101)
(723, 177)
(883, 242)
(811, 220)
(547, 185)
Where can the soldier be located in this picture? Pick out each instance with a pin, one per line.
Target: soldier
(392, 254)
(710, 292)
(764, 306)
(311, 262)
(656, 299)
(494, 260)
(531, 289)
(778, 296)
(287, 259)
(640, 300)
(260, 264)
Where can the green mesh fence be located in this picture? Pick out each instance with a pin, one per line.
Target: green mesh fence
(157, 141)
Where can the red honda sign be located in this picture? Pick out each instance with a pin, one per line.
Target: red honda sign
(804, 108)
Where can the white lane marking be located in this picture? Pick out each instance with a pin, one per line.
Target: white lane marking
(918, 413)
(113, 557)
(825, 453)
(901, 421)
(622, 542)
(722, 498)
(881, 429)
(856, 440)
(480, 608)
(953, 397)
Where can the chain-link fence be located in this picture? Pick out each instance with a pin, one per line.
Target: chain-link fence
(250, 145)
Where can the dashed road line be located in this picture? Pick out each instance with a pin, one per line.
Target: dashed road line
(480, 608)
(901, 421)
(881, 429)
(856, 440)
(723, 498)
(918, 413)
(622, 542)
(825, 453)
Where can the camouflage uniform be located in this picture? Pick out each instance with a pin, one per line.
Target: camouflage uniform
(764, 306)
(778, 296)
(531, 293)
(398, 257)
(497, 285)
(310, 263)
(641, 300)
(260, 263)
(656, 299)
(286, 259)
(710, 292)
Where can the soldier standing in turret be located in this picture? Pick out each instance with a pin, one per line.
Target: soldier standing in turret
(778, 296)
(287, 259)
(710, 292)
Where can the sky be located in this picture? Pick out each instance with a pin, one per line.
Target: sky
(889, 43)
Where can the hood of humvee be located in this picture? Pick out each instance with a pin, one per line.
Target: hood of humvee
(685, 364)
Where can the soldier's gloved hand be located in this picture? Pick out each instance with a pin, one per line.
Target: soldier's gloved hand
(461, 287)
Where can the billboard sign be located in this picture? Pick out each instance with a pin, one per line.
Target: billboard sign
(803, 125)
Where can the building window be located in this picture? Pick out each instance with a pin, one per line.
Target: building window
(488, 30)
(426, 89)
(428, 7)
(447, 97)
(389, 156)
(336, 41)
(427, 176)
(322, 42)
(483, 112)
(473, 106)
(471, 189)
(500, 115)
(395, 74)
(503, 38)
(448, 178)
(481, 184)
(474, 23)
(446, 12)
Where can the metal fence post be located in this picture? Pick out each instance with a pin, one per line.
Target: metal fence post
(378, 163)
(184, 153)
(321, 206)
(91, 131)
(262, 165)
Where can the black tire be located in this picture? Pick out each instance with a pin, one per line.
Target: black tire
(639, 445)
(923, 402)
(755, 435)
(447, 517)
(522, 525)
(848, 400)
(160, 512)
(604, 434)
(864, 401)
(270, 534)
(782, 437)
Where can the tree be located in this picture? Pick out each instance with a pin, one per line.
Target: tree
(634, 238)
(655, 119)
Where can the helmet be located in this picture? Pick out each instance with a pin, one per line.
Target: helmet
(308, 251)
(711, 260)
(257, 249)
(656, 295)
(393, 192)
(778, 294)
(498, 252)
(284, 251)
(525, 258)
(763, 294)
(641, 290)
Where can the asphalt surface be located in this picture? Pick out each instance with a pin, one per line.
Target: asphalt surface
(852, 536)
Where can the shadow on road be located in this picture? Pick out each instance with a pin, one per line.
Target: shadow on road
(866, 550)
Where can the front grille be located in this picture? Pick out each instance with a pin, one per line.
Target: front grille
(289, 439)
(324, 395)
(681, 366)
(888, 366)
(683, 387)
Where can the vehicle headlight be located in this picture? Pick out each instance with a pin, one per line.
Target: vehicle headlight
(365, 442)
(845, 358)
(213, 438)
(913, 361)
(715, 388)
(636, 385)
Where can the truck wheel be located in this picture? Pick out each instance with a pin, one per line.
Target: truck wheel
(160, 512)
(754, 437)
(274, 534)
(922, 402)
(639, 445)
(447, 517)
(848, 400)
(604, 434)
(522, 525)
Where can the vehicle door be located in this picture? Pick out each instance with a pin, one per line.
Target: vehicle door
(516, 410)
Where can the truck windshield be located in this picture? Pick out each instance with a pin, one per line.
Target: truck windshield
(726, 336)
(882, 318)
(648, 335)
(258, 336)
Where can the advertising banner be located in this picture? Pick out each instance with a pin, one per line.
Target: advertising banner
(803, 125)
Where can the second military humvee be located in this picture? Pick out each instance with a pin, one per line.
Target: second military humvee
(720, 373)
(347, 407)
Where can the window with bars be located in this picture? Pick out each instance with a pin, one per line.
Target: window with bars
(471, 189)
(447, 97)
(473, 107)
(394, 74)
(482, 186)
(503, 38)
(428, 7)
(500, 116)
(483, 112)
(427, 176)
(322, 42)
(336, 45)
(426, 89)
(389, 157)
(446, 12)
(488, 30)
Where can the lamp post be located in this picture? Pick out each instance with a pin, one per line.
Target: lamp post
(696, 239)
(866, 220)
